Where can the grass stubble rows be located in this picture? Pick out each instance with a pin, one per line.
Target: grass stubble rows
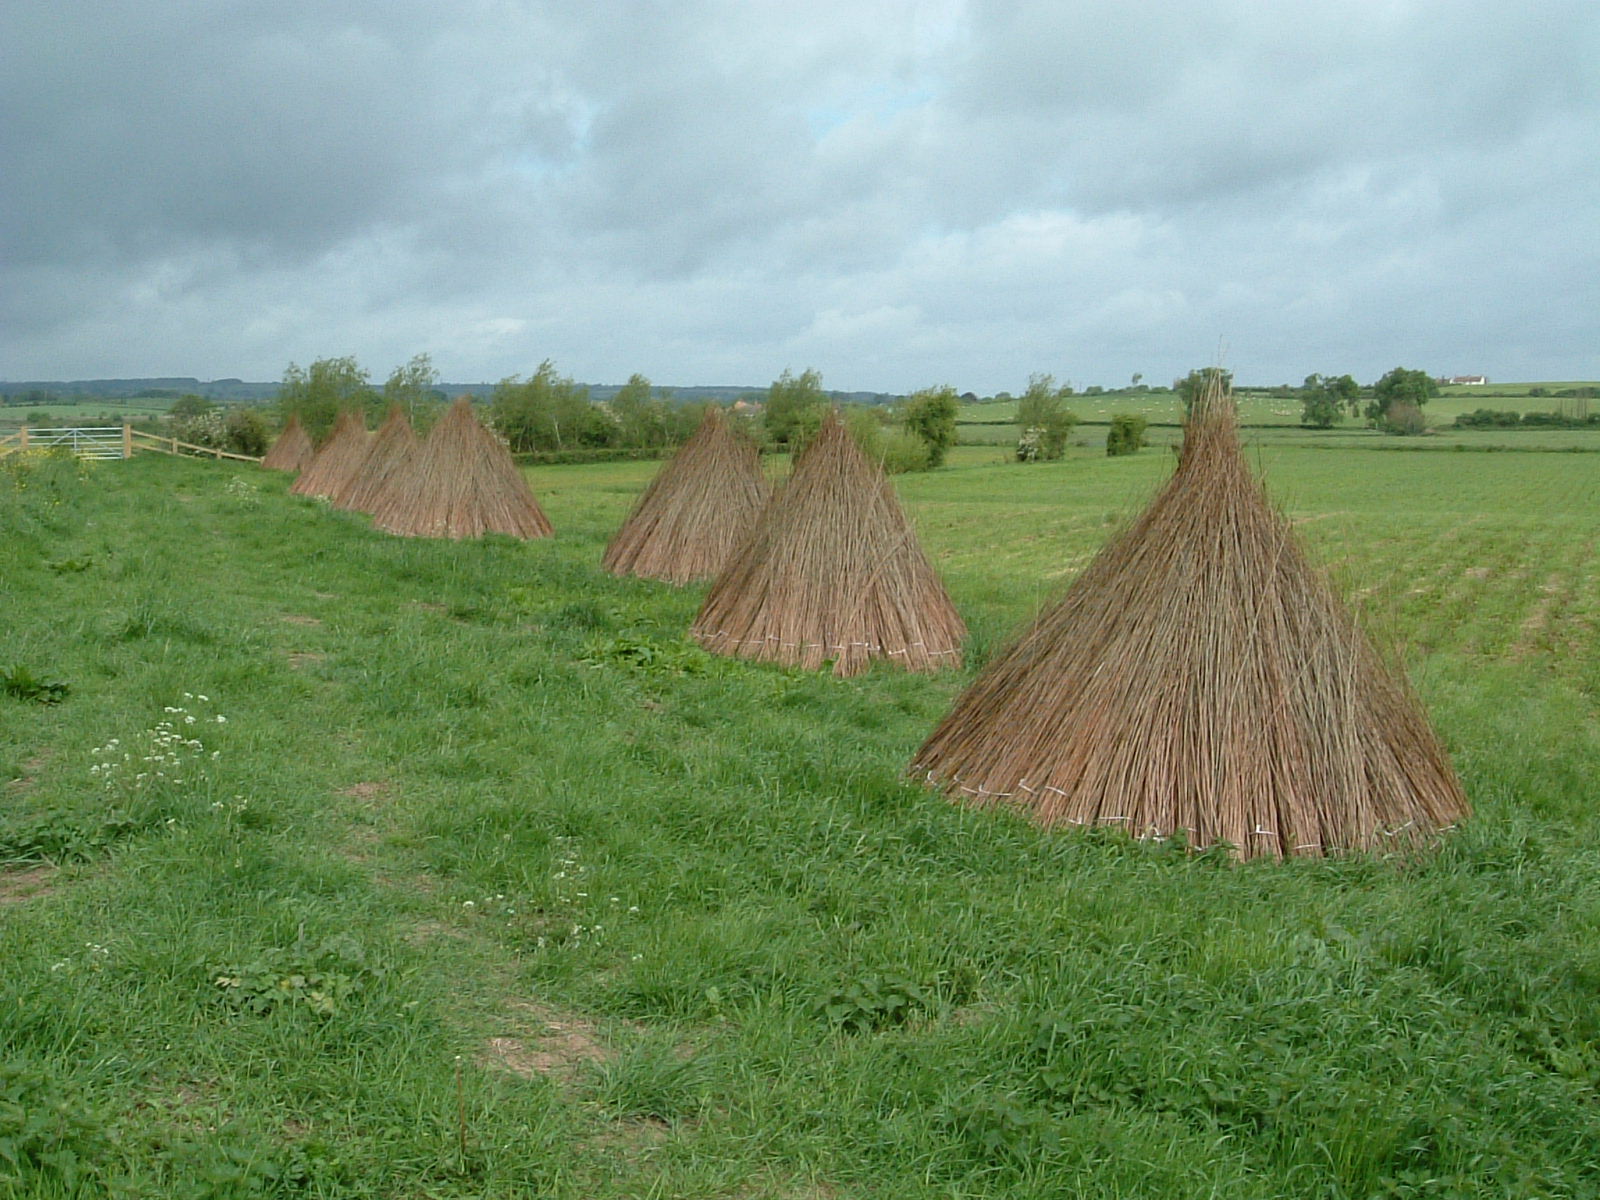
(488, 883)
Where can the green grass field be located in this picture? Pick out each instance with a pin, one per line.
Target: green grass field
(471, 878)
(994, 423)
(88, 412)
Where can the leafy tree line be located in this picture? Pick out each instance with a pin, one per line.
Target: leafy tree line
(915, 435)
(550, 413)
(319, 393)
(1394, 404)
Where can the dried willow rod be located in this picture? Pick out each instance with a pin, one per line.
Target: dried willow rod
(696, 511)
(293, 450)
(386, 455)
(339, 458)
(832, 570)
(1201, 676)
(460, 483)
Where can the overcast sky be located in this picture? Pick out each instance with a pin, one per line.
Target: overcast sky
(895, 192)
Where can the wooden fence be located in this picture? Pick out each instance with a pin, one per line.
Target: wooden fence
(108, 441)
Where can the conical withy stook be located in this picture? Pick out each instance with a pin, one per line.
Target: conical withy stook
(832, 571)
(460, 483)
(387, 452)
(1200, 678)
(339, 458)
(696, 511)
(293, 450)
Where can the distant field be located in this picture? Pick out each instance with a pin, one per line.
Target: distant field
(995, 423)
(1496, 391)
(488, 884)
(12, 416)
(1351, 435)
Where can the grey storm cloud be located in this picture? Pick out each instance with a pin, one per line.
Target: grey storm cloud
(898, 193)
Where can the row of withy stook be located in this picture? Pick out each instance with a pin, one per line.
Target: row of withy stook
(1199, 679)
(460, 482)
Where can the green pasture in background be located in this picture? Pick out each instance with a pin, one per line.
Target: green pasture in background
(995, 422)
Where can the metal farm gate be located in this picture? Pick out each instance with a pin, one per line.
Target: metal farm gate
(110, 441)
(100, 441)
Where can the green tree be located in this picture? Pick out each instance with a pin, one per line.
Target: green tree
(185, 407)
(320, 392)
(642, 419)
(896, 451)
(1325, 398)
(930, 414)
(1400, 389)
(548, 412)
(245, 432)
(1193, 385)
(1126, 435)
(1043, 408)
(415, 388)
(789, 400)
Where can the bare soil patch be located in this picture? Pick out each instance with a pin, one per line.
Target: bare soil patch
(425, 932)
(300, 619)
(26, 884)
(1533, 627)
(30, 772)
(546, 1042)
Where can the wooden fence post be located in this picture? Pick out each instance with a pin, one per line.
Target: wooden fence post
(127, 439)
(24, 443)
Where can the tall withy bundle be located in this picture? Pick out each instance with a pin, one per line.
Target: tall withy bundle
(1200, 676)
(460, 483)
(293, 450)
(386, 456)
(339, 458)
(696, 511)
(832, 570)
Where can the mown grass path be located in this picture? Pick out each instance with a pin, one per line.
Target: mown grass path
(487, 884)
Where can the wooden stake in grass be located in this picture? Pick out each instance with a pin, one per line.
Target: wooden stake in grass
(339, 458)
(460, 483)
(832, 571)
(696, 511)
(293, 450)
(461, 1115)
(386, 456)
(1201, 678)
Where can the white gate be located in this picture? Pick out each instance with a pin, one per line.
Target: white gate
(104, 441)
